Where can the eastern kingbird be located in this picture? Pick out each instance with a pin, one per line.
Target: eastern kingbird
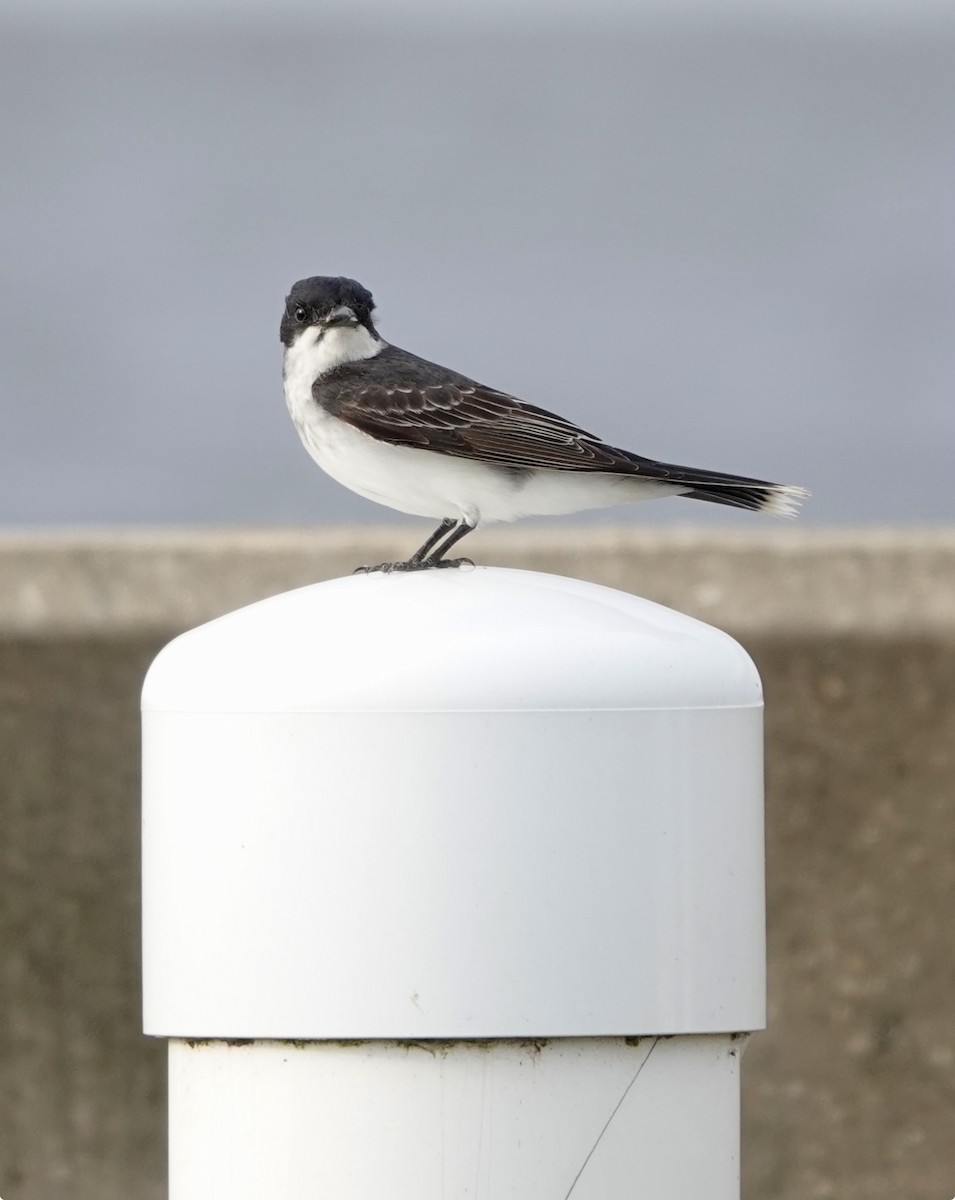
(427, 441)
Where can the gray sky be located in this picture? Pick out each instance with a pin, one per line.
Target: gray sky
(461, 14)
(729, 247)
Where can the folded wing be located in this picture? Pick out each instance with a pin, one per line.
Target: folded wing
(471, 421)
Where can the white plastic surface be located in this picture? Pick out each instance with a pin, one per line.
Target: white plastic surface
(454, 805)
(593, 1119)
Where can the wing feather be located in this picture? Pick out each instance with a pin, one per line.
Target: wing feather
(467, 420)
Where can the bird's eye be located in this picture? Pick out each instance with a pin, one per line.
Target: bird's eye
(300, 313)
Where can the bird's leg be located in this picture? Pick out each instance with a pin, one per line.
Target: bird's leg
(420, 556)
(437, 558)
(419, 561)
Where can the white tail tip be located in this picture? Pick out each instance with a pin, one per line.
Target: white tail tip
(784, 500)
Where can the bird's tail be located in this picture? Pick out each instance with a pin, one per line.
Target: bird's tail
(737, 491)
(776, 499)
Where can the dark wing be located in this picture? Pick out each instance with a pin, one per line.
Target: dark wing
(459, 417)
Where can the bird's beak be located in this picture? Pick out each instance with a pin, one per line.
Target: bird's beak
(342, 315)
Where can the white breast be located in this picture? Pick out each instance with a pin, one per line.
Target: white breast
(386, 474)
(411, 481)
(311, 355)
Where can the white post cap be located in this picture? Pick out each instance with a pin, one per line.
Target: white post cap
(455, 804)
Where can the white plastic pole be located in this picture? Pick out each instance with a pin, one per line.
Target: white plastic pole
(453, 886)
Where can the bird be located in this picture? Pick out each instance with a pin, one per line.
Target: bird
(431, 442)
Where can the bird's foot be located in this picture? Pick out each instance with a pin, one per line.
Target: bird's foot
(389, 567)
(413, 565)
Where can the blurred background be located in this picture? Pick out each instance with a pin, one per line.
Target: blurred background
(715, 232)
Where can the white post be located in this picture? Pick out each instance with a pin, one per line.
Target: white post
(453, 887)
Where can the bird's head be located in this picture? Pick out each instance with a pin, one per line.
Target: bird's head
(326, 302)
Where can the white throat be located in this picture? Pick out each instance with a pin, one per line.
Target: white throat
(314, 352)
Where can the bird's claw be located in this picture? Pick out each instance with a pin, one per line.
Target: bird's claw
(452, 562)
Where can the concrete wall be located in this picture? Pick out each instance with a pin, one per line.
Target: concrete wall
(851, 1092)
